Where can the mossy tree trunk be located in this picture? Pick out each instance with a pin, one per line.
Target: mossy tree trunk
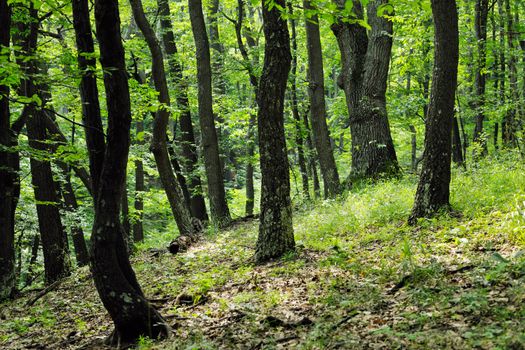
(275, 228)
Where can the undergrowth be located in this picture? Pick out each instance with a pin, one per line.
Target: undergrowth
(359, 278)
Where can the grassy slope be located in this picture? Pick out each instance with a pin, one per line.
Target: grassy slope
(463, 279)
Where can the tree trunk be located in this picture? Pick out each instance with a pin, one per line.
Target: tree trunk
(159, 145)
(250, 188)
(114, 277)
(189, 148)
(220, 213)
(481, 9)
(312, 164)
(316, 93)
(275, 228)
(88, 90)
(138, 228)
(53, 236)
(457, 149)
(7, 177)
(366, 63)
(299, 140)
(510, 118)
(433, 191)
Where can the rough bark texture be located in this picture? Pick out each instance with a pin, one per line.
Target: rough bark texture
(219, 211)
(510, 119)
(159, 145)
(433, 191)
(482, 10)
(365, 63)
(7, 178)
(275, 228)
(318, 115)
(189, 148)
(114, 277)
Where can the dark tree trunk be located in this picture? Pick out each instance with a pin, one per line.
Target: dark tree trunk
(189, 148)
(275, 228)
(53, 236)
(54, 239)
(114, 277)
(510, 118)
(299, 140)
(250, 188)
(433, 191)
(138, 228)
(7, 177)
(126, 224)
(482, 10)
(366, 63)
(413, 144)
(68, 194)
(179, 208)
(88, 91)
(220, 213)
(316, 93)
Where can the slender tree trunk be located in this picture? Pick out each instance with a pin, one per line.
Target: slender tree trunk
(53, 236)
(220, 213)
(114, 277)
(275, 228)
(433, 191)
(510, 119)
(316, 93)
(312, 163)
(366, 63)
(250, 188)
(189, 148)
(7, 177)
(88, 91)
(299, 140)
(481, 9)
(159, 145)
(457, 148)
(138, 228)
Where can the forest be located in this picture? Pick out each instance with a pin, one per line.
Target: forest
(275, 174)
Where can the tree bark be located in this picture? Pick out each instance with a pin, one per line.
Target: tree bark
(53, 236)
(299, 140)
(219, 210)
(365, 60)
(138, 228)
(481, 9)
(275, 229)
(7, 176)
(316, 93)
(510, 118)
(114, 277)
(159, 145)
(189, 148)
(433, 191)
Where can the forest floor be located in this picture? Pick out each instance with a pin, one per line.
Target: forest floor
(361, 278)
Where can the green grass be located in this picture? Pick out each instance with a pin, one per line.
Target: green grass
(350, 253)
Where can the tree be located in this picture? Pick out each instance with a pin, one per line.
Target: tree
(7, 178)
(219, 210)
(159, 146)
(189, 148)
(433, 190)
(53, 237)
(316, 93)
(365, 64)
(114, 277)
(275, 228)
(480, 82)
